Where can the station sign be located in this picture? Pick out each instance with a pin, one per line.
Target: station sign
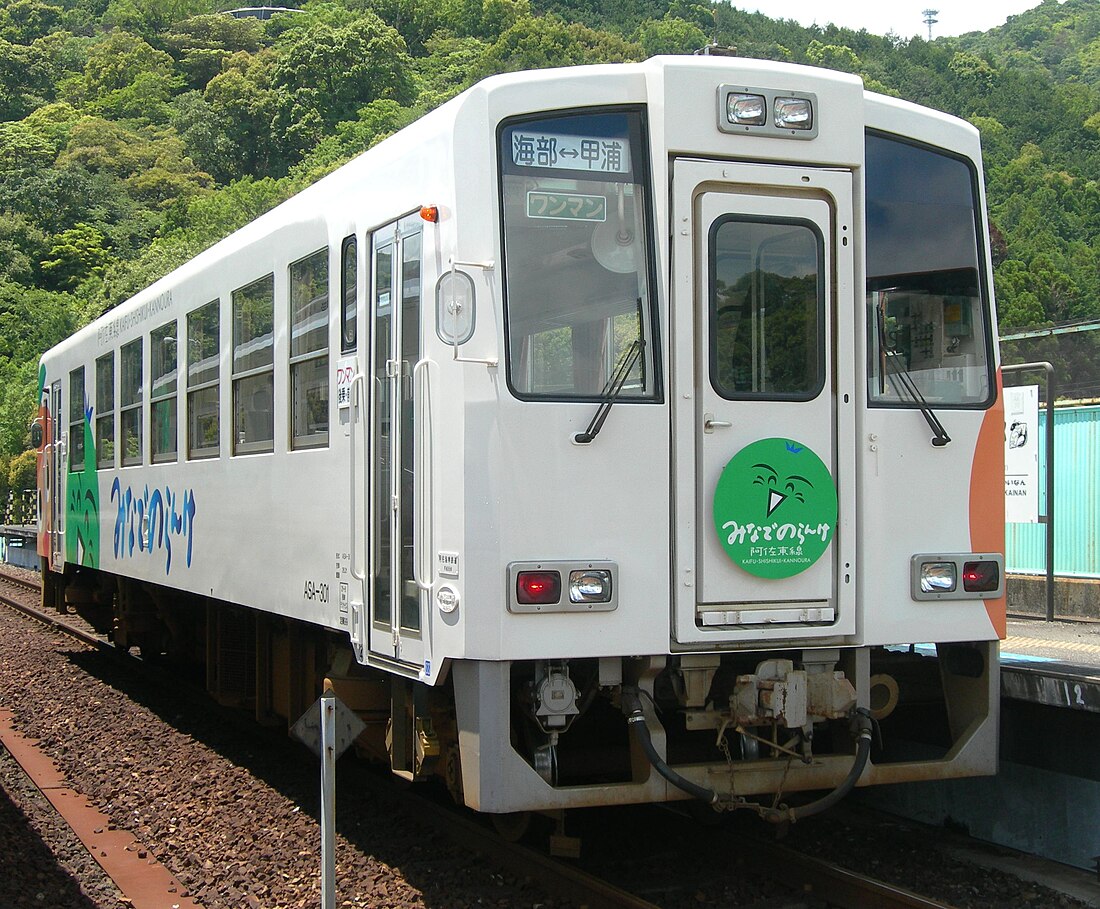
(1022, 454)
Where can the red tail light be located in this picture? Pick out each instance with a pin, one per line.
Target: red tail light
(979, 577)
(538, 587)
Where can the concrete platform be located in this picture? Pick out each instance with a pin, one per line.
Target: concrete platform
(18, 546)
(1052, 663)
(1045, 799)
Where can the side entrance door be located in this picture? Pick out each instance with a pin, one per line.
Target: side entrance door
(53, 478)
(763, 327)
(398, 601)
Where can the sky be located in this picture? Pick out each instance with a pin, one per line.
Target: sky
(903, 17)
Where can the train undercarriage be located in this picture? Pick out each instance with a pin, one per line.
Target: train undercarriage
(745, 728)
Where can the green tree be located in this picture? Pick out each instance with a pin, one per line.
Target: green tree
(548, 41)
(116, 62)
(31, 321)
(22, 247)
(833, 56)
(670, 36)
(22, 21)
(243, 100)
(26, 78)
(325, 74)
(75, 256)
(202, 44)
(151, 17)
(21, 471)
(450, 67)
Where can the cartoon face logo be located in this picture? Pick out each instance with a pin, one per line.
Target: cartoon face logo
(793, 485)
(775, 508)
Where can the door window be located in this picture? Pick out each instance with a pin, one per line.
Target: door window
(767, 303)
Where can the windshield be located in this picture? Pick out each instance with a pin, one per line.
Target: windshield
(925, 298)
(575, 202)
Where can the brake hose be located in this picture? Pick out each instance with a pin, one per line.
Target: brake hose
(635, 718)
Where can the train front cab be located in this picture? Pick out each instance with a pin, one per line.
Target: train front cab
(834, 442)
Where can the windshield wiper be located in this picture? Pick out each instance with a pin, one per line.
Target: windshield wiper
(611, 391)
(903, 382)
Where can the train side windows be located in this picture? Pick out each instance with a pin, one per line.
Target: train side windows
(105, 411)
(928, 325)
(309, 378)
(76, 420)
(162, 396)
(254, 367)
(203, 380)
(348, 302)
(129, 411)
(576, 192)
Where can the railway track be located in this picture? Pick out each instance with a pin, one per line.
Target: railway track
(13, 591)
(815, 882)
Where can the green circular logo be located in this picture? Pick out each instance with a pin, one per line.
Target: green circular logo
(775, 508)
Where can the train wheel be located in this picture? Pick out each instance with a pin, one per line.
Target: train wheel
(512, 827)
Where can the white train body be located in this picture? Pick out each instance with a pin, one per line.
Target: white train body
(787, 282)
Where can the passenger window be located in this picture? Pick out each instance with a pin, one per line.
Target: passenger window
(76, 420)
(309, 351)
(254, 367)
(203, 351)
(105, 411)
(767, 298)
(348, 302)
(129, 411)
(162, 396)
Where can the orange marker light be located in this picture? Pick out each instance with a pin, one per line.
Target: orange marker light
(430, 213)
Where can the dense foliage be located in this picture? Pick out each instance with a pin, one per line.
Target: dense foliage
(134, 133)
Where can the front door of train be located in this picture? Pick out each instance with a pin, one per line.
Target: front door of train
(397, 600)
(763, 315)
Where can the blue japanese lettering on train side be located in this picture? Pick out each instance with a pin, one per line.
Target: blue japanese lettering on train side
(149, 521)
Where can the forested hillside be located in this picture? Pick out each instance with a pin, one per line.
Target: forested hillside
(134, 133)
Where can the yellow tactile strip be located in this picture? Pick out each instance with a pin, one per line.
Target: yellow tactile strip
(1009, 643)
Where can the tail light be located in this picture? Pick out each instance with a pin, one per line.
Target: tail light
(538, 588)
(979, 577)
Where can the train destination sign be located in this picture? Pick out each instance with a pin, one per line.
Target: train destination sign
(775, 508)
(585, 153)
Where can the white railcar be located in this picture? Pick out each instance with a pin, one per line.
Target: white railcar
(611, 434)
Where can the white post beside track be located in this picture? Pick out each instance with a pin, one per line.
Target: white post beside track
(327, 706)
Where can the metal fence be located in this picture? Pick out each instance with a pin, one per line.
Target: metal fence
(20, 508)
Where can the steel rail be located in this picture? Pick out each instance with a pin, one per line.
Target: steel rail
(53, 620)
(825, 881)
(836, 885)
(568, 882)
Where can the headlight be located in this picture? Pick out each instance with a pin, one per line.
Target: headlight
(746, 110)
(752, 110)
(591, 585)
(793, 113)
(937, 577)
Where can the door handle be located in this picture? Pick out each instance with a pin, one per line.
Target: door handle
(424, 526)
(710, 424)
(358, 382)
